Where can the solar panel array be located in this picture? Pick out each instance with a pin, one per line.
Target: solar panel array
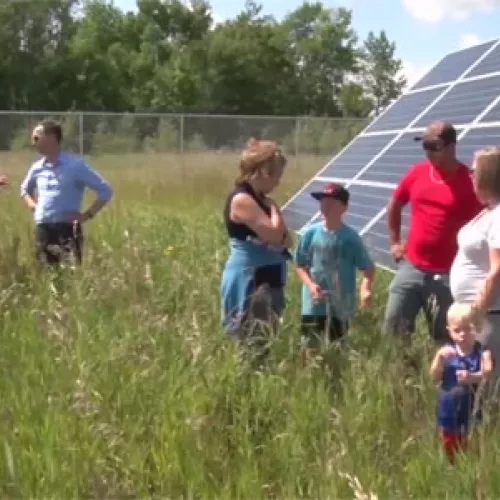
(464, 88)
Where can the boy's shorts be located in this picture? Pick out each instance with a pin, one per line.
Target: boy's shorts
(315, 329)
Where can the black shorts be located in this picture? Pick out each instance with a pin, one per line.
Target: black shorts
(56, 240)
(315, 329)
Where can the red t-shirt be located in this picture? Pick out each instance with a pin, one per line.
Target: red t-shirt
(438, 210)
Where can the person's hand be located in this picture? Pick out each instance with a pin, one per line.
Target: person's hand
(365, 296)
(78, 217)
(463, 376)
(317, 293)
(397, 251)
(446, 352)
(4, 181)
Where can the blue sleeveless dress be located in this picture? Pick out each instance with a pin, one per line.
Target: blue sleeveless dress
(250, 265)
(456, 401)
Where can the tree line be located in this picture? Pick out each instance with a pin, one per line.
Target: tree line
(168, 56)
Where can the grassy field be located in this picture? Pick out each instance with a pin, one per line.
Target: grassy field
(117, 380)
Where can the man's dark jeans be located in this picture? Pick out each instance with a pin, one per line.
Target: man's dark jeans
(413, 290)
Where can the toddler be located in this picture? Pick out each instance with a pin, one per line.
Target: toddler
(459, 367)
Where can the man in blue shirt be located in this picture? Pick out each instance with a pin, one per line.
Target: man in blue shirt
(327, 257)
(60, 179)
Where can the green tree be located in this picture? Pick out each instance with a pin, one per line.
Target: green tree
(353, 101)
(102, 59)
(381, 70)
(249, 66)
(34, 38)
(324, 48)
(167, 56)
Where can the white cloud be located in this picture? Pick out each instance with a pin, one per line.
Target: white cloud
(413, 72)
(435, 11)
(216, 19)
(468, 40)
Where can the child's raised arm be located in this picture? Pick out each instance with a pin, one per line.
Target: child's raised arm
(437, 365)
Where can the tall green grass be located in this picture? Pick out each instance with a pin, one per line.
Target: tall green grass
(117, 380)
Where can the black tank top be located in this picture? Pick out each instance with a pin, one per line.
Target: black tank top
(238, 230)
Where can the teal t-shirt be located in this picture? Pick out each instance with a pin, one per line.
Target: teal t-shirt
(332, 257)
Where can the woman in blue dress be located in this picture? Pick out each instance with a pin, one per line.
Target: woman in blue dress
(254, 277)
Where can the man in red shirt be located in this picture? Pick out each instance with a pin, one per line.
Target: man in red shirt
(442, 200)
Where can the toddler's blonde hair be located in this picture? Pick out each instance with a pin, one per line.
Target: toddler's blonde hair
(462, 313)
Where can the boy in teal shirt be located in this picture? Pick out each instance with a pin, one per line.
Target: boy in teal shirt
(327, 257)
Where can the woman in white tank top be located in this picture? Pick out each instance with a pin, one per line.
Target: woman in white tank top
(475, 273)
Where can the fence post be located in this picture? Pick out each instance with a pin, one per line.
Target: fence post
(297, 140)
(81, 134)
(181, 134)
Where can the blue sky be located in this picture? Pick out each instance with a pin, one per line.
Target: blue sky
(424, 30)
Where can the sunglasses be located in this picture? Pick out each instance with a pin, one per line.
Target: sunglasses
(433, 146)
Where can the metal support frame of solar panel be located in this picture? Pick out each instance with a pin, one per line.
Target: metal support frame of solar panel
(470, 76)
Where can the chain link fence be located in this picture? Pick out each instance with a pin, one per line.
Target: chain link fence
(90, 133)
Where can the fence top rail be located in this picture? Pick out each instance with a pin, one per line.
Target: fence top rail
(179, 115)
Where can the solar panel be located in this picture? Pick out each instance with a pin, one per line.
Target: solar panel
(393, 164)
(464, 87)
(303, 207)
(364, 202)
(377, 240)
(452, 66)
(493, 115)
(464, 102)
(477, 138)
(403, 111)
(490, 64)
(345, 165)
(357, 154)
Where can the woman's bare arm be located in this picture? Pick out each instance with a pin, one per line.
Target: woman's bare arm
(244, 210)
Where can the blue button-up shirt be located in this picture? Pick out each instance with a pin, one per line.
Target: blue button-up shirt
(60, 187)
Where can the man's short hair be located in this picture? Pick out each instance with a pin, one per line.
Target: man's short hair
(50, 127)
(442, 130)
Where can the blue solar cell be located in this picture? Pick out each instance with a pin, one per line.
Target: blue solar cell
(357, 155)
(377, 239)
(464, 102)
(303, 207)
(490, 64)
(364, 203)
(477, 138)
(405, 110)
(493, 115)
(452, 66)
(393, 164)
